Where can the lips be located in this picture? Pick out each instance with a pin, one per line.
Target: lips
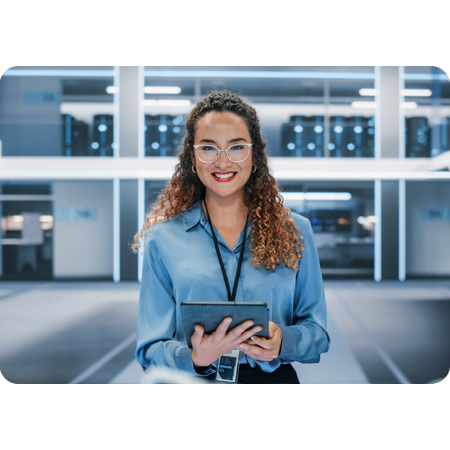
(224, 177)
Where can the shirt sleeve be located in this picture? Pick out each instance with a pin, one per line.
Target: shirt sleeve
(157, 317)
(307, 338)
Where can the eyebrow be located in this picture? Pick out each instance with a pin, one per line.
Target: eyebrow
(230, 141)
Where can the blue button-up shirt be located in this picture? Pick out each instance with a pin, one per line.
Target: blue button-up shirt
(180, 264)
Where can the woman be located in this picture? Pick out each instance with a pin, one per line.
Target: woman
(222, 182)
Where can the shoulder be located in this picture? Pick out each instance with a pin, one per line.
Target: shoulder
(164, 229)
(303, 224)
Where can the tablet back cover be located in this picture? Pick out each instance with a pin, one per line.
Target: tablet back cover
(210, 314)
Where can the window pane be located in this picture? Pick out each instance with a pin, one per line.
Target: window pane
(57, 111)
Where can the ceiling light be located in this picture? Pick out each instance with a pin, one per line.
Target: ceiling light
(372, 105)
(162, 90)
(316, 195)
(408, 105)
(112, 89)
(166, 102)
(369, 92)
(405, 92)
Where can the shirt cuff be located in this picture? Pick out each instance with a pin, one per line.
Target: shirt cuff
(184, 362)
(288, 344)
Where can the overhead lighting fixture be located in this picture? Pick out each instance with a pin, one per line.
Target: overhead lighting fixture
(166, 102)
(316, 195)
(373, 105)
(162, 90)
(112, 89)
(404, 92)
(408, 105)
(368, 92)
(17, 218)
(46, 218)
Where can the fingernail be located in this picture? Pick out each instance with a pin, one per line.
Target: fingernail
(253, 338)
(258, 329)
(242, 346)
(228, 320)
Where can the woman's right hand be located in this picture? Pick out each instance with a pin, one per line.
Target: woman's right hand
(206, 348)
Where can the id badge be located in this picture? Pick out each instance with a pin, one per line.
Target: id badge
(228, 367)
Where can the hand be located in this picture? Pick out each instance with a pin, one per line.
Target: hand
(206, 348)
(262, 349)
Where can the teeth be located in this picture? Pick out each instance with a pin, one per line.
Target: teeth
(226, 175)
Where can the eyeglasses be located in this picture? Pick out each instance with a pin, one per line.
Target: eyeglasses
(210, 153)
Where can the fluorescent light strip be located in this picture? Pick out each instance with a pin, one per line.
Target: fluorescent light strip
(112, 89)
(426, 76)
(401, 230)
(217, 74)
(404, 92)
(59, 73)
(377, 262)
(316, 195)
(162, 90)
(166, 102)
(373, 105)
(257, 74)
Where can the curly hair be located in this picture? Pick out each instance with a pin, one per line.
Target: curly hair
(274, 234)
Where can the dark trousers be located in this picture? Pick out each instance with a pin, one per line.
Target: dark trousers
(285, 374)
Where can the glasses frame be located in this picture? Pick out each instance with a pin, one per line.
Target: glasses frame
(218, 152)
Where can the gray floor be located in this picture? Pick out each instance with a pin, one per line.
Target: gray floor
(61, 332)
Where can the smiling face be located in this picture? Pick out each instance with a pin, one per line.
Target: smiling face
(223, 178)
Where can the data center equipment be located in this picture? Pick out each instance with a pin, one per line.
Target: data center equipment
(163, 134)
(303, 136)
(103, 136)
(352, 136)
(329, 221)
(75, 136)
(417, 137)
(445, 135)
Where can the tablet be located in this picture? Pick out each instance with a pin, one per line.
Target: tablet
(210, 314)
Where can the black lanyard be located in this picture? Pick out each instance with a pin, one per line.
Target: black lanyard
(231, 297)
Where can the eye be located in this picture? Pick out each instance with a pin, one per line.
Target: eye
(208, 148)
(237, 147)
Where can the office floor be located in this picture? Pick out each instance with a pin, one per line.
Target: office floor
(73, 332)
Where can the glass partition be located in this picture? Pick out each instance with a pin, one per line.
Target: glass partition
(426, 97)
(304, 111)
(57, 111)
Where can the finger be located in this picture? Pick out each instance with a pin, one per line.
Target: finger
(255, 352)
(197, 335)
(238, 330)
(223, 327)
(263, 342)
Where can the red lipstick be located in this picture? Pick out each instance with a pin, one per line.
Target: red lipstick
(224, 177)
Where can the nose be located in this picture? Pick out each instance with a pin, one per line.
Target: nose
(223, 162)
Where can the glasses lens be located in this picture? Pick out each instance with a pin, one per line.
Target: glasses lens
(238, 152)
(207, 153)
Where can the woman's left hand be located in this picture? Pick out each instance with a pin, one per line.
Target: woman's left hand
(263, 349)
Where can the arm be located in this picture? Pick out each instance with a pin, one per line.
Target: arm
(157, 317)
(306, 338)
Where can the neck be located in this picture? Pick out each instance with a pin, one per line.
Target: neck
(226, 212)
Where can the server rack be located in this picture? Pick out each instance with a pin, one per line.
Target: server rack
(75, 136)
(103, 136)
(417, 137)
(302, 136)
(352, 137)
(445, 134)
(163, 134)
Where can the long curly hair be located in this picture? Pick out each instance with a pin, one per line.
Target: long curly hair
(274, 234)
